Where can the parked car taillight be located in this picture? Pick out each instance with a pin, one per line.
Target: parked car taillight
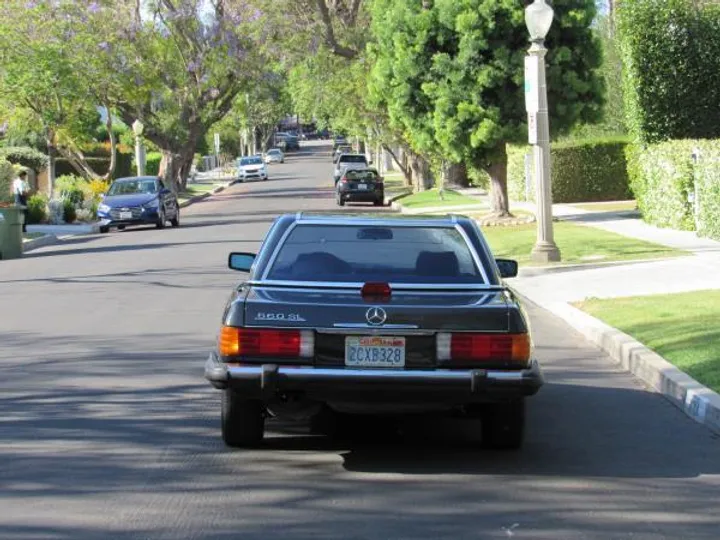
(464, 347)
(235, 341)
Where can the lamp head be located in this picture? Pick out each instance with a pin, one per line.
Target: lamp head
(138, 128)
(538, 19)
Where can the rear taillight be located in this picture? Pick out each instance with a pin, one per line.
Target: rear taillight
(235, 341)
(484, 347)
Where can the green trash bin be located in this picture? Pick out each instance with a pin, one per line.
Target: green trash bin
(11, 236)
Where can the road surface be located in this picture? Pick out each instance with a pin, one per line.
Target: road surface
(108, 430)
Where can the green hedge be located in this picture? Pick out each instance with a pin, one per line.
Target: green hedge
(25, 156)
(582, 171)
(123, 167)
(152, 163)
(671, 59)
(661, 179)
(707, 182)
(7, 175)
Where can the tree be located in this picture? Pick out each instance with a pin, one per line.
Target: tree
(451, 72)
(45, 79)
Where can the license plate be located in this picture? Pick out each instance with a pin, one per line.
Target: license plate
(375, 352)
(362, 186)
(125, 215)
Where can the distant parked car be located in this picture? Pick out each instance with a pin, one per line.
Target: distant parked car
(274, 155)
(340, 150)
(348, 162)
(251, 167)
(138, 200)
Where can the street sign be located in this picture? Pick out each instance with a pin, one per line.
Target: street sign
(217, 143)
(532, 90)
(532, 128)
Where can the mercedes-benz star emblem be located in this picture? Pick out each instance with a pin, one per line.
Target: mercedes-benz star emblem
(376, 316)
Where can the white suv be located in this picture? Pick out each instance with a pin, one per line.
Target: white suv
(250, 167)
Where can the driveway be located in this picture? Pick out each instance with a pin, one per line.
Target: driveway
(108, 430)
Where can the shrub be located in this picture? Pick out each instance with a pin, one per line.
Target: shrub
(73, 188)
(152, 163)
(671, 55)
(69, 212)
(56, 211)
(37, 208)
(581, 171)
(25, 156)
(123, 167)
(7, 175)
(661, 177)
(97, 188)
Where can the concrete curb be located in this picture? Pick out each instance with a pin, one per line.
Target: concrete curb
(695, 400)
(203, 196)
(47, 240)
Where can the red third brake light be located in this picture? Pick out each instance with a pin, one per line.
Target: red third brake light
(376, 291)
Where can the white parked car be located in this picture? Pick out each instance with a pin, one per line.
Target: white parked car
(251, 167)
(274, 155)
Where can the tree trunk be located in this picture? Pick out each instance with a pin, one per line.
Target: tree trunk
(401, 161)
(497, 170)
(456, 175)
(421, 175)
(50, 140)
(175, 167)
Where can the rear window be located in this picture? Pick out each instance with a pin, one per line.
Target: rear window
(353, 159)
(367, 176)
(354, 253)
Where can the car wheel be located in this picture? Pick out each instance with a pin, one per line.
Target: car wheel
(503, 425)
(104, 229)
(161, 219)
(379, 202)
(242, 421)
(341, 201)
(175, 222)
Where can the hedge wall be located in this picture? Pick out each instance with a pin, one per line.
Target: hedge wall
(671, 58)
(7, 175)
(25, 156)
(666, 180)
(583, 171)
(123, 167)
(152, 163)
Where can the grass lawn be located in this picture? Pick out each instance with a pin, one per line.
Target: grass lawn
(195, 189)
(577, 243)
(431, 198)
(682, 328)
(618, 206)
(394, 182)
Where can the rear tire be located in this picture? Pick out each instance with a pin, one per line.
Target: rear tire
(104, 229)
(503, 425)
(175, 222)
(341, 201)
(242, 421)
(379, 202)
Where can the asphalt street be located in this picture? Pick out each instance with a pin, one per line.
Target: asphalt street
(108, 429)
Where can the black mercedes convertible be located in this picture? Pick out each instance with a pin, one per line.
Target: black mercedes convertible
(358, 315)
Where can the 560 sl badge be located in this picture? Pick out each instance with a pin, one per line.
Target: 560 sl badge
(292, 317)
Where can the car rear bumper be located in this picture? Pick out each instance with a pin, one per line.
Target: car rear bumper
(362, 196)
(457, 386)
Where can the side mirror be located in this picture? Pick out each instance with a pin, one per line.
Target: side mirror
(242, 262)
(508, 268)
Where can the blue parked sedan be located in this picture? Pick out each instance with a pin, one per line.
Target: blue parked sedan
(138, 200)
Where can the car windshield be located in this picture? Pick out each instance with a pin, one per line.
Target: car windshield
(367, 175)
(372, 253)
(131, 187)
(251, 161)
(353, 159)
(274, 152)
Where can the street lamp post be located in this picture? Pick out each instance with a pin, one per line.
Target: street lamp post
(538, 18)
(138, 129)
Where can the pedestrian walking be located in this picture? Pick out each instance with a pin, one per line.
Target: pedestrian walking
(20, 191)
